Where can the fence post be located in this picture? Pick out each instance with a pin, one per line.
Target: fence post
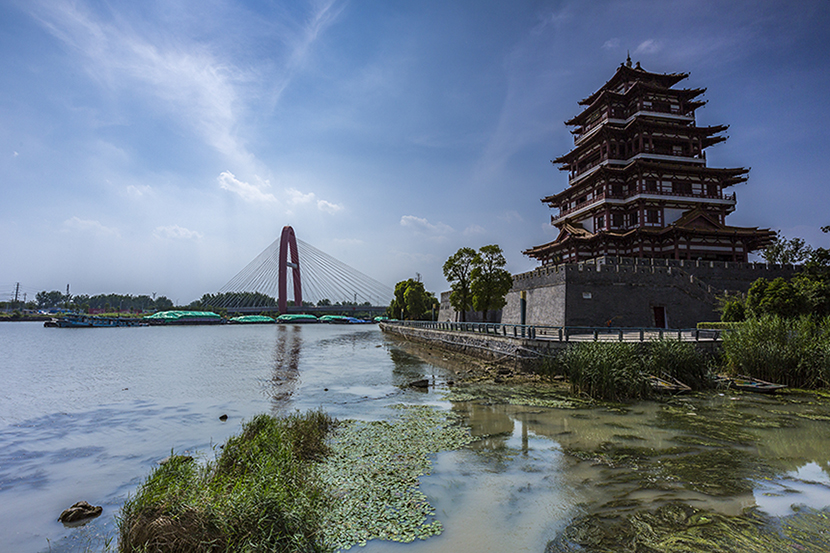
(621, 335)
(642, 335)
(596, 335)
(697, 335)
(567, 337)
(560, 333)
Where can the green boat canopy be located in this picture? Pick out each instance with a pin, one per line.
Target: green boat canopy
(298, 318)
(251, 319)
(182, 315)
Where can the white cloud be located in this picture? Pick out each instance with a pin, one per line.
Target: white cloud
(611, 44)
(15, 154)
(247, 191)
(472, 230)
(649, 46)
(328, 207)
(139, 191)
(176, 232)
(296, 197)
(511, 216)
(424, 226)
(87, 226)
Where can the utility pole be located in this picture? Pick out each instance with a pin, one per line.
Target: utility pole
(16, 293)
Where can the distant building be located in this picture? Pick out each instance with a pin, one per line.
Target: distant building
(643, 239)
(638, 184)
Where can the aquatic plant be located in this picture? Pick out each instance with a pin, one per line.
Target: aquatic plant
(795, 352)
(373, 472)
(680, 528)
(259, 495)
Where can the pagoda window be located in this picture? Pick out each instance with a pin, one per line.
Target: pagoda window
(712, 190)
(675, 108)
(600, 222)
(683, 188)
(616, 190)
(616, 220)
(677, 150)
(651, 185)
(633, 219)
(652, 216)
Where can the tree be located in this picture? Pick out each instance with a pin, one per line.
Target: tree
(457, 271)
(489, 281)
(46, 299)
(411, 301)
(787, 252)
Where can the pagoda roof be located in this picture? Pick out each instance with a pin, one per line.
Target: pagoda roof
(625, 73)
(640, 86)
(695, 221)
(729, 176)
(706, 134)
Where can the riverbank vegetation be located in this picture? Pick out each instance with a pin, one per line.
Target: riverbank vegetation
(301, 483)
(620, 371)
(478, 280)
(261, 494)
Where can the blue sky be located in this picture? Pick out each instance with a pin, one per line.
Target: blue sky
(159, 146)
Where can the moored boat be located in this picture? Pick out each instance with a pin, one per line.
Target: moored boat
(749, 384)
(82, 320)
(290, 318)
(251, 320)
(184, 318)
(667, 385)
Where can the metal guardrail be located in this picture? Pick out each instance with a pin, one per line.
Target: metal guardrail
(570, 333)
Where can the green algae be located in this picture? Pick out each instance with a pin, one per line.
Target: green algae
(680, 528)
(374, 470)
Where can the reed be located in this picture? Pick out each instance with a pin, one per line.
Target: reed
(259, 495)
(681, 360)
(608, 371)
(795, 352)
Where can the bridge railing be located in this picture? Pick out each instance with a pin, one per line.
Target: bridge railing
(570, 333)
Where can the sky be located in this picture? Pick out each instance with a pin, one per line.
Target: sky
(160, 146)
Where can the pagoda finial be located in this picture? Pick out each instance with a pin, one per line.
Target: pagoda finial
(628, 59)
(638, 66)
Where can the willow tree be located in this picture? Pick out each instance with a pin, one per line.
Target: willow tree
(489, 281)
(457, 271)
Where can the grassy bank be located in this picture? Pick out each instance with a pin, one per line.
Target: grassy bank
(795, 352)
(259, 495)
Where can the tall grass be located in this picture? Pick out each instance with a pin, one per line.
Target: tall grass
(795, 352)
(619, 371)
(609, 371)
(680, 360)
(259, 495)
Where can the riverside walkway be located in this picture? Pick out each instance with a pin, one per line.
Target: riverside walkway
(568, 333)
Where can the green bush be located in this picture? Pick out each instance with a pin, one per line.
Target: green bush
(609, 371)
(795, 352)
(259, 495)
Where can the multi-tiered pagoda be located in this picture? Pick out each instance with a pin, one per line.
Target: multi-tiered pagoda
(638, 184)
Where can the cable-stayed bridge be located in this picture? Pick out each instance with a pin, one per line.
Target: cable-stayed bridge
(312, 275)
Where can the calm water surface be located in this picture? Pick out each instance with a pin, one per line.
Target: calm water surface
(85, 414)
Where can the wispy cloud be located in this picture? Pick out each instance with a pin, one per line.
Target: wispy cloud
(473, 230)
(424, 226)
(247, 191)
(511, 216)
(649, 46)
(195, 83)
(295, 197)
(88, 226)
(175, 232)
(139, 191)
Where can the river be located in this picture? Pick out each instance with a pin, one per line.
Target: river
(85, 414)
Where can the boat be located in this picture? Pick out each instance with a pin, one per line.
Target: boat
(667, 385)
(251, 320)
(342, 319)
(290, 318)
(749, 384)
(184, 318)
(82, 320)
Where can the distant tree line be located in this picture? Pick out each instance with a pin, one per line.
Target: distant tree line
(106, 302)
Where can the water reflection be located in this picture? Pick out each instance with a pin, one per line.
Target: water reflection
(286, 373)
